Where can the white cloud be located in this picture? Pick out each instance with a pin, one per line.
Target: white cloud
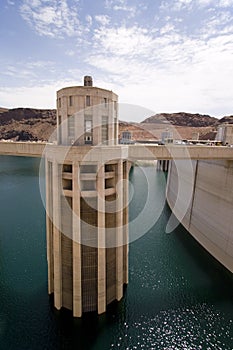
(215, 3)
(70, 53)
(89, 20)
(225, 3)
(111, 3)
(188, 5)
(124, 8)
(103, 19)
(37, 96)
(11, 3)
(219, 23)
(167, 28)
(176, 5)
(51, 18)
(123, 41)
(194, 90)
(23, 73)
(34, 97)
(182, 4)
(121, 5)
(27, 72)
(180, 61)
(204, 2)
(164, 51)
(171, 71)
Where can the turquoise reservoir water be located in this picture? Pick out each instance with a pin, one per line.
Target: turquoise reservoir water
(178, 296)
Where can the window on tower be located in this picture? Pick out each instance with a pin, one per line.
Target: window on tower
(104, 129)
(88, 101)
(88, 125)
(70, 101)
(71, 129)
(88, 137)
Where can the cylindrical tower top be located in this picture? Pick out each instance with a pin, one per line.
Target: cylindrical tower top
(88, 80)
(87, 115)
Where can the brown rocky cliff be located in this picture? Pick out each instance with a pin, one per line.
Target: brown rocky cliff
(227, 119)
(3, 109)
(182, 119)
(30, 124)
(27, 124)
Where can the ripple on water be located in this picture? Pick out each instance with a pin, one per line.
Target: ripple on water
(198, 327)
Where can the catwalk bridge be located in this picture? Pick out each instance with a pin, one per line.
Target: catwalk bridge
(129, 152)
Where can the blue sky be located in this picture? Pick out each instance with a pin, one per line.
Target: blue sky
(165, 55)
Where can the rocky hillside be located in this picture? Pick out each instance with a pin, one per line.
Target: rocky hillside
(182, 119)
(227, 119)
(137, 130)
(3, 109)
(27, 124)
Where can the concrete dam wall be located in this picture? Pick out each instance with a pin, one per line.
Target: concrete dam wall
(200, 194)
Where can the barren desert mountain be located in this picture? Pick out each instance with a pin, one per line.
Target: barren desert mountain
(181, 126)
(3, 109)
(226, 119)
(30, 124)
(26, 114)
(182, 119)
(137, 130)
(27, 124)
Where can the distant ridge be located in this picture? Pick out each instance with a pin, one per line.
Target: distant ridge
(182, 119)
(227, 119)
(26, 114)
(27, 124)
(31, 124)
(2, 109)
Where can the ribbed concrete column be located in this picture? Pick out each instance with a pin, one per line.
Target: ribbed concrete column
(116, 129)
(111, 123)
(101, 241)
(119, 231)
(57, 236)
(126, 221)
(49, 224)
(77, 284)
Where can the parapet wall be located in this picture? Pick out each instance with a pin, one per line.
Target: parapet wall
(201, 197)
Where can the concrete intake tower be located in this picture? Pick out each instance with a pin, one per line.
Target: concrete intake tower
(86, 202)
